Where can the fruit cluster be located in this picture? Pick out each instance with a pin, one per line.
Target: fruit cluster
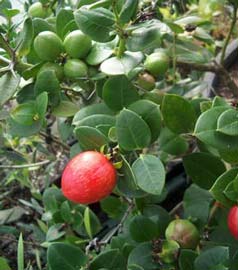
(50, 48)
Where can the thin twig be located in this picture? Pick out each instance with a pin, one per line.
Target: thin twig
(56, 140)
(30, 165)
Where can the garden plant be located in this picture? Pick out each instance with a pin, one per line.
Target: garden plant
(114, 155)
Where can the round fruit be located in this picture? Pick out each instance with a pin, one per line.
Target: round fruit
(170, 251)
(157, 63)
(183, 232)
(77, 44)
(88, 178)
(232, 221)
(38, 10)
(59, 71)
(75, 68)
(48, 46)
(146, 81)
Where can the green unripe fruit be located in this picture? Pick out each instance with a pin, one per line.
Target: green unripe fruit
(37, 10)
(183, 232)
(75, 68)
(146, 81)
(157, 63)
(59, 71)
(170, 249)
(48, 46)
(77, 44)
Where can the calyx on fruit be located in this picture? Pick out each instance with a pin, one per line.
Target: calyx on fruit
(232, 221)
(88, 178)
(48, 46)
(146, 81)
(75, 68)
(157, 63)
(170, 250)
(77, 44)
(183, 232)
(39, 11)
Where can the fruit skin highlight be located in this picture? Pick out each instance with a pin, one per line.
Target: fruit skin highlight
(88, 178)
(157, 63)
(75, 68)
(232, 221)
(48, 46)
(77, 44)
(183, 232)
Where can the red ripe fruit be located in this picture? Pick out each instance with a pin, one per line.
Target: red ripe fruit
(88, 178)
(232, 221)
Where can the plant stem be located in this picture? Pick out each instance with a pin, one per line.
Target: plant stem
(30, 165)
(233, 23)
(174, 58)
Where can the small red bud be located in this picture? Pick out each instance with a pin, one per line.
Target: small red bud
(232, 221)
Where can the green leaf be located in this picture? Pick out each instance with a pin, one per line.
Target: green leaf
(179, 115)
(54, 232)
(217, 190)
(123, 65)
(150, 113)
(65, 257)
(205, 130)
(212, 258)
(118, 92)
(87, 222)
(227, 123)
(186, 259)
(90, 138)
(97, 108)
(52, 197)
(132, 132)
(111, 259)
(3, 264)
(142, 256)
(231, 191)
(26, 38)
(126, 183)
(24, 113)
(196, 204)
(159, 215)
(100, 52)
(11, 215)
(203, 168)
(128, 10)
(8, 86)
(20, 254)
(65, 109)
(41, 104)
(113, 207)
(147, 36)
(41, 25)
(63, 19)
(149, 173)
(172, 143)
(47, 82)
(66, 214)
(97, 23)
(142, 229)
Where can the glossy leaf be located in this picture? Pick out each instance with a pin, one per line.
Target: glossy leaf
(143, 229)
(132, 132)
(98, 108)
(150, 113)
(118, 92)
(8, 86)
(20, 254)
(128, 10)
(203, 168)
(149, 174)
(111, 259)
(90, 138)
(64, 17)
(212, 258)
(24, 113)
(122, 65)
(26, 38)
(227, 123)
(179, 115)
(186, 259)
(65, 109)
(97, 23)
(65, 257)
